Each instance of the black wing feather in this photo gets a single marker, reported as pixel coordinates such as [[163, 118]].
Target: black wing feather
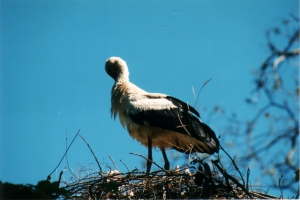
[[184, 105], [178, 120]]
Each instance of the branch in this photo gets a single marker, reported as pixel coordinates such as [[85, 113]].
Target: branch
[[49, 176], [149, 161], [92, 153], [223, 171]]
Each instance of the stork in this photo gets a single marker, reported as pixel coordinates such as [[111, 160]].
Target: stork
[[157, 120]]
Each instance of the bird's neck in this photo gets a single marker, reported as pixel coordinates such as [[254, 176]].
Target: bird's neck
[[126, 88], [123, 77]]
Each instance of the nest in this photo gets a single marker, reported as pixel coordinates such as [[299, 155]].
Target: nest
[[197, 179], [182, 183]]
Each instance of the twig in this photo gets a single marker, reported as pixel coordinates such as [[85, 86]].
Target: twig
[[60, 175], [148, 160], [263, 196], [200, 91], [124, 165], [279, 180], [247, 180], [49, 176], [113, 163], [194, 92], [215, 162], [71, 171], [92, 153], [234, 164]]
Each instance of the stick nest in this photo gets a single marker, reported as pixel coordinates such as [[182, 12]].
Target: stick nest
[[197, 179], [182, 183]]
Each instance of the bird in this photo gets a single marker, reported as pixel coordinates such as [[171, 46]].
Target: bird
[[155, 119]]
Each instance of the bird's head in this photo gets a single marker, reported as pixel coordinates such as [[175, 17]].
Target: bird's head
[[117, 68]]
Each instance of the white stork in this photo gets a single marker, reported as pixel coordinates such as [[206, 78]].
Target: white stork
[[157, 120]]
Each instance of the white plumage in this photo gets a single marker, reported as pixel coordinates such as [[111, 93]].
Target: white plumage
[[157, 120]]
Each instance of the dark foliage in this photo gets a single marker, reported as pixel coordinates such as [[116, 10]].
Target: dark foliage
[[268, 136], [43, 190]]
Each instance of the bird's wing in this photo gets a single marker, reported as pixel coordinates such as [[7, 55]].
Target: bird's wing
[[169, 113], [180, 103]]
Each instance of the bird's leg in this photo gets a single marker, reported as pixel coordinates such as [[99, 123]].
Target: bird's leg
[[149, 161], [167, 164]]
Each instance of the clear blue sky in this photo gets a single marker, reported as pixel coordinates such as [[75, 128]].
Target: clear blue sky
[[53, 78]]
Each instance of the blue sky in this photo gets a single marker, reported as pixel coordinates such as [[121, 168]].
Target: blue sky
[[53, 77]]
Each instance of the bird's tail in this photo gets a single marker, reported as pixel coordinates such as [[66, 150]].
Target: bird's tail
[[206, 135]]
